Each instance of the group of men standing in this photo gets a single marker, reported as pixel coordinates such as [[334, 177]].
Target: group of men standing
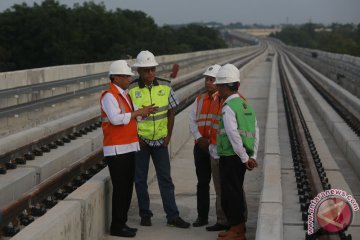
[[226, 141], [137, 122]]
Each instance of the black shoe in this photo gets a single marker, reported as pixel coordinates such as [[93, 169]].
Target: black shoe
[[178, 222], [123, 232], [200, 222], [217, 227], [145, 221], [131, 229]]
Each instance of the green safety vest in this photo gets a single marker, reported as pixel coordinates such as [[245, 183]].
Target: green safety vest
[[154, 127], [245, 118]]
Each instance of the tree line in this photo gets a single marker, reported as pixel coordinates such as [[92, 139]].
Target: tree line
[[51, 33], [336, 38]]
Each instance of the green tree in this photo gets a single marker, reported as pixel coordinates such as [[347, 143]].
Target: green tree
[[50, 34], [337, 38]]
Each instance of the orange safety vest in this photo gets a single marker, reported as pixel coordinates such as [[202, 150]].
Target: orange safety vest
[[118, 134], [203, 114], [216, 106]]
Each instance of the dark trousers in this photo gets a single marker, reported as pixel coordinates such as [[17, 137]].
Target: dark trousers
[[232, 173], [203, 173], [122, 170]]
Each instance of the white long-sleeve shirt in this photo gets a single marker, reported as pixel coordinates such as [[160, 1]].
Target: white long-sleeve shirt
[[193, 123], [230, 125], [111, 107]]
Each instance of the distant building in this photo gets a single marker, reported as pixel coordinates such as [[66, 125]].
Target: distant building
[[260, 32]]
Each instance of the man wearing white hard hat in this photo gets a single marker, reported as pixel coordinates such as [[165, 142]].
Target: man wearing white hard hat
[[154, 136], [200, 121], [237, 144], [120, 143]]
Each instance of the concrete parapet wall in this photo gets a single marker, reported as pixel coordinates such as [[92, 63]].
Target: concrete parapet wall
[[85, 214], [61, 222], [95, 199], [342, 94], [270, 216], [344, 136], [341, 68], [336, 56], [49, 74]]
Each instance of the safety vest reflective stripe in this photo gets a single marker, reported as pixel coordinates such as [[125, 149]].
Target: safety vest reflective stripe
[[203, 114], [241, 132], [157, 117], [105, 119], [215, 116], [200, 116], [199, 107], [207, 116], [154, 127], [164, 108], [204, 123]]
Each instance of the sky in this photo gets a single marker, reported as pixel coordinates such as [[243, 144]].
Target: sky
[[267, 12]]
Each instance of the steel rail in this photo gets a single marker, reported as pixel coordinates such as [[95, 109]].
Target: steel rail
[[46, 188], [310, 175]]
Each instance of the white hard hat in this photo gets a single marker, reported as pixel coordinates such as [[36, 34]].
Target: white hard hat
[[145, 59], [227, 74], [212, 70], [120, 67]]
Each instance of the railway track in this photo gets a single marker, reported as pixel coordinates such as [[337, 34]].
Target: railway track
[[21, 212], [310, 172]]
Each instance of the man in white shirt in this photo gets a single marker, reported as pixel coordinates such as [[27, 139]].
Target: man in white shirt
[[237, 143], [200, 120], [120, 143]]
